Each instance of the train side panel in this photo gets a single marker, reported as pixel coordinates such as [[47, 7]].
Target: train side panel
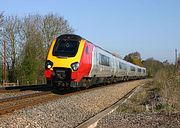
[[102, 64]]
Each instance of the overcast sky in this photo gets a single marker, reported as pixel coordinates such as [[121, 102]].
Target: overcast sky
[[151, 27]]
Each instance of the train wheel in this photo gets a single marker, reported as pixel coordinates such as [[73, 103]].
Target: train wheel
[[86, 83]]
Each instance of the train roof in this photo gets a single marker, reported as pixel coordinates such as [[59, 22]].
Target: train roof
[[77, 37], [74, 36]]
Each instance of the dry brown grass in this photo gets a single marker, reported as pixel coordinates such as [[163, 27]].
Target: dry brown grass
[[168, 81], [136, 103], [161, 95]]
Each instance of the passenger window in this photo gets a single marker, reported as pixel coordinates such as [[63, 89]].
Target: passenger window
[[132, 68], [104, 60], [120, 66], [87, 49]]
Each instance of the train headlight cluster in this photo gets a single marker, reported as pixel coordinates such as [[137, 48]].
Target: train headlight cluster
[[75, 66], [48, 64]]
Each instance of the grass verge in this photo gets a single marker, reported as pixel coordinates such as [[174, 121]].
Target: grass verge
[[160, 95]]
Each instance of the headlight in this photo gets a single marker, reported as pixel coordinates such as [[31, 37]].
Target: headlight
[[75, 66], [48, 64]]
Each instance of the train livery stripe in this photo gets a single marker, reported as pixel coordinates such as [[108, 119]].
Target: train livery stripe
[[85, 63]]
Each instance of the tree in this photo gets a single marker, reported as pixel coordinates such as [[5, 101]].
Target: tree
[[1, 48], [31, 60], [11, 33], [1, 19], [33, 51], [28, 39], [53, 26], [134, 58], [1, 72], [152, 66], [38, 32], [178, 61]]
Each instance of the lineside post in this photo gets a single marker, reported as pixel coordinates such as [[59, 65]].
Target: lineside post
[[4, 81]]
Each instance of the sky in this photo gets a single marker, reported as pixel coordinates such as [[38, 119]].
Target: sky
[[151, 27]]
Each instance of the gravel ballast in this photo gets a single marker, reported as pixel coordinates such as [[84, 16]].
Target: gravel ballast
[[9, 95], [144, 120], [69, 111]]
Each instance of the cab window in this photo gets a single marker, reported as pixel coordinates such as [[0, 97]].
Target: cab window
[[87, 50]]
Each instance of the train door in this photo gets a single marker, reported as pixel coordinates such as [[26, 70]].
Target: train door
[[96, 61], [88, 55], [93, 61]]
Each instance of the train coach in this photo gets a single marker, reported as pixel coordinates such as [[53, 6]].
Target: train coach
[[73, 61]]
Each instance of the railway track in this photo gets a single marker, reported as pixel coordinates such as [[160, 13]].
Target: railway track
[[92, 122], [17, 89], [8, 105], [10, 99], [11, 104], [72, 110]]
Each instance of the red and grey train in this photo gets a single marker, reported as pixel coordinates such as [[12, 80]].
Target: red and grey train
[[73, 61]]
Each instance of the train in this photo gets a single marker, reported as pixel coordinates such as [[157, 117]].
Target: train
[[74, 62]]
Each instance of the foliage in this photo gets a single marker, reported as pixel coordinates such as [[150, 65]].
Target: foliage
[[134, 58], [52, 26], [11, 38], [28, 39], [178, 61], [152, 66], [1, 18]]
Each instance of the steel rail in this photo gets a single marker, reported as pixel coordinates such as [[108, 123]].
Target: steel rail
[[9, 105], [92, 122]]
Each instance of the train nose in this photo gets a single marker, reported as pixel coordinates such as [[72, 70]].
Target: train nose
[[61, 74]]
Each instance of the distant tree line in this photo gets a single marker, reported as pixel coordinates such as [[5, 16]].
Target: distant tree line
[[152, 65], [27, 41], [134, 58]]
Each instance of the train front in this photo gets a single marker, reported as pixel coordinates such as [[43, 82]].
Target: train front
[[63, 61]]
